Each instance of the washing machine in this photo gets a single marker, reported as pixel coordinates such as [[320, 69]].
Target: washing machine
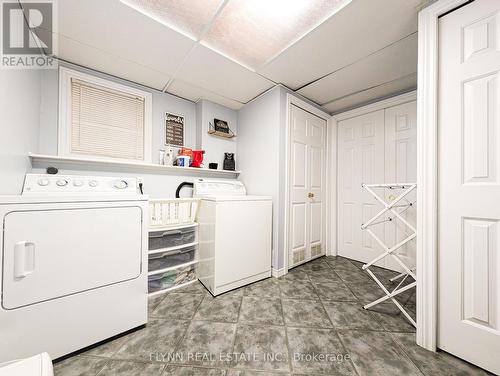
[[73, 264], [235, 231]]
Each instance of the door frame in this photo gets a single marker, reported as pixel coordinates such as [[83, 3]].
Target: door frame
[[293, 100], [427, 170]]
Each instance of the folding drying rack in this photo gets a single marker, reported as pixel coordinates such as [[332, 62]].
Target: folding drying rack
[[396, 207]]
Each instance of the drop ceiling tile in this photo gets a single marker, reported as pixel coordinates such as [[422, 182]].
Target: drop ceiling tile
[[87, 56], [209, 70], [191, 92], [359, 29], [389, 64], [254, 31], [114, 27], [187, 17], [401, 85]]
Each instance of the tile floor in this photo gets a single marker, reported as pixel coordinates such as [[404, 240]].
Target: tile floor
[[310, 321]]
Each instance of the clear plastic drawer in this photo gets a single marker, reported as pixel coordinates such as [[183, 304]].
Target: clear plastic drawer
[[171, 238], [171, 278], [162, 260]]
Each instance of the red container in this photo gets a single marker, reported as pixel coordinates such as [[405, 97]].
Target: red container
[[197, 158]]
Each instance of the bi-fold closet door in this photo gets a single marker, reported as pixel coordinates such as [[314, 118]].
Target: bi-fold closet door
[[377, 147]]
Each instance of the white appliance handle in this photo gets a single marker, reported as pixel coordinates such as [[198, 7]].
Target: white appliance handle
[[24, 259]]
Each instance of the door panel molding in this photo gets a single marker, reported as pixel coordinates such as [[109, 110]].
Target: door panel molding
[[427, 170]]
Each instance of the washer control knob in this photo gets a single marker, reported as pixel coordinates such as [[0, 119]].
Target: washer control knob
[[62, 182], [121, 184], [43, 182], [93, 183], [78, 183]]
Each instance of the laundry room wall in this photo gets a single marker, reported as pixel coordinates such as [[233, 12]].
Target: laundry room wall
[[215, 146], [155, 185], [20, 113], [262, 156]]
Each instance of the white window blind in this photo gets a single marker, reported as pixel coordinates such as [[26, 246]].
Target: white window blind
[[106, 122]]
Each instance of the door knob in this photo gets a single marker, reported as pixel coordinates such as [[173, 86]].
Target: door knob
[[310, 195]]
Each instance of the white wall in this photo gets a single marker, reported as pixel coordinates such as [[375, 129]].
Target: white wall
[[20, 114], [215, 146], [29, 107], [258, 153]]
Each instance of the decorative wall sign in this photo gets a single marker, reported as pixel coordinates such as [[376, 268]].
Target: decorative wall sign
[[174, 129]]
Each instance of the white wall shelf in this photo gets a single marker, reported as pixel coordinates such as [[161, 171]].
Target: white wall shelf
[[72, 163]]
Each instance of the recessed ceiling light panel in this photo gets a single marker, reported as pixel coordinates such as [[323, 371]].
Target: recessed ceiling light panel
[[188, 17], [253, 32]]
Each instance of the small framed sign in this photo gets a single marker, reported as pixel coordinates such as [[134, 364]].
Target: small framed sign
[[174, 129]]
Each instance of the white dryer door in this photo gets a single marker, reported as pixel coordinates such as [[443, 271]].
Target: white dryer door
[[52, 253]]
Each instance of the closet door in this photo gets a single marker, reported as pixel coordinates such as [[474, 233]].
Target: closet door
[[360, 160], [307, 210], [401, 167]]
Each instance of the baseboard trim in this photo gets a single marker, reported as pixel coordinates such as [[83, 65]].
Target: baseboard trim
[[276, 273]]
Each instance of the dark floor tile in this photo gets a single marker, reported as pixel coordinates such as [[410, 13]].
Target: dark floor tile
[[223, 308], [376, 353], [337, 291], [268, 288], [79, 366], [178, 306], [127, 368], [318, 351], [154, 301], [438, 363], [295, 274], [109, 348], [266, 346], [193, 288], [302, 313], [324, 275], [261, 311], [192, 371], [297, 289], [159, 337], [391, 318], [236, 372], [337, 261], [366, 291], [351, 315], [315, 265], [353, 276], [205, 343]]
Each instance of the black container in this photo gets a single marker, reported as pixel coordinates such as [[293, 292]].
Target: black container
[[213, 166]]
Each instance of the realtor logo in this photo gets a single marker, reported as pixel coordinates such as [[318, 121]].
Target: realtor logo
[[28, 30]]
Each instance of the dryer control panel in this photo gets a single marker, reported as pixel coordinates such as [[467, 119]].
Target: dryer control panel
[[45, 184]]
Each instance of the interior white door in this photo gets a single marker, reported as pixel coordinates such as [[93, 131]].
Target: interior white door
[[307, 206], [401, 167], [360, 160], [469, 184]]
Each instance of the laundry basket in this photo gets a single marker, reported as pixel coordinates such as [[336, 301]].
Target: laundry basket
[[172, 211]]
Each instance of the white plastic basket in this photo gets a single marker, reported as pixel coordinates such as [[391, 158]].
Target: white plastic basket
[[172, 211]]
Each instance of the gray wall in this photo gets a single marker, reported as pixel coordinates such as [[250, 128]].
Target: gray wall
[[258, 154], [20, 115], [29, 105], [215, 146]]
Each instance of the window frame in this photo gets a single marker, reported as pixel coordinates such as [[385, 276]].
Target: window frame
[[64, 121]]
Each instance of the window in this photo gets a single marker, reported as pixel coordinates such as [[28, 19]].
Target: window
[[103, 119]]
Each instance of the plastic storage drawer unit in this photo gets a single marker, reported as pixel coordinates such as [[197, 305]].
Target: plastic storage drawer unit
[[171, 278], [163, 260], [171, 238]]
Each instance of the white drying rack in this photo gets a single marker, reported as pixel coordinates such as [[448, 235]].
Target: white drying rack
[[409, 272]]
